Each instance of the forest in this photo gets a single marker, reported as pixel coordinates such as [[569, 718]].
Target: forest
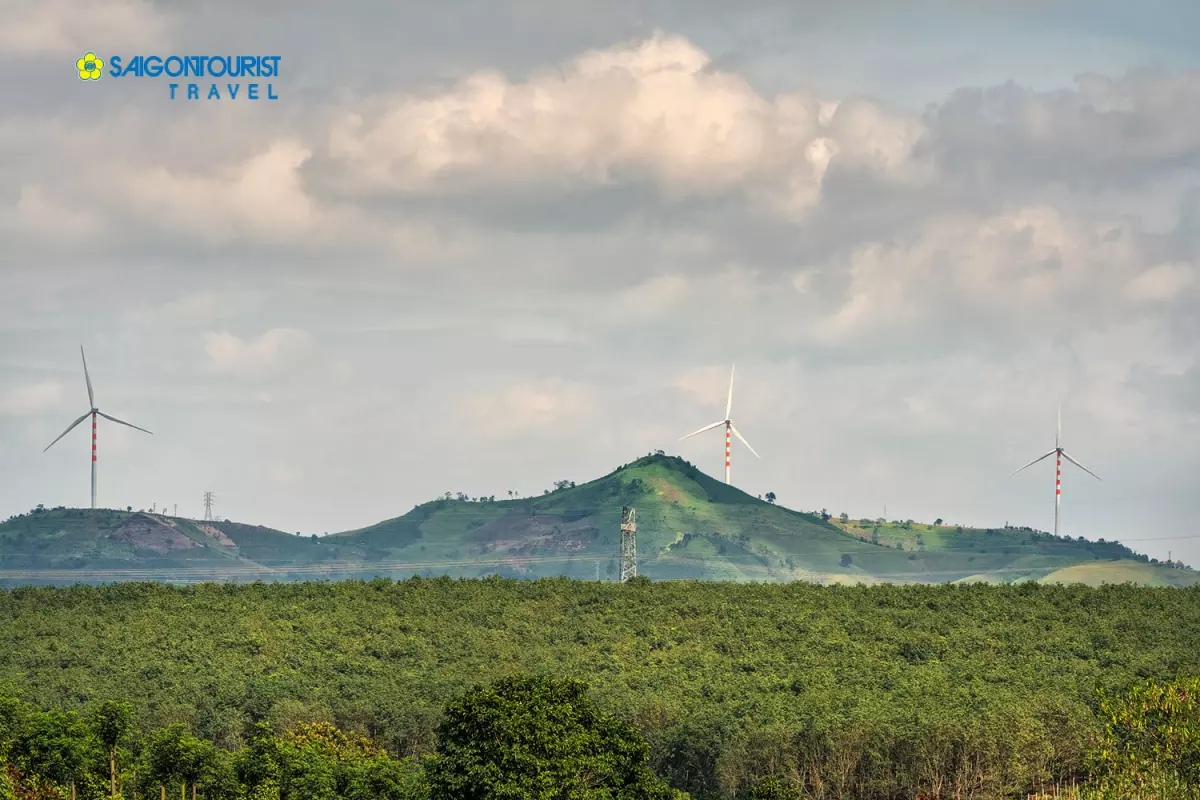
[[445, 688]]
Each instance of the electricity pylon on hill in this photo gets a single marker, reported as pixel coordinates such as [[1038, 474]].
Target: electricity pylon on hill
[[208, 503], [628, 543]]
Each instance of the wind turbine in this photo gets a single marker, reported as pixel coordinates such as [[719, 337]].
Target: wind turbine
[[1060, 455], [93, 413], [729, 429]]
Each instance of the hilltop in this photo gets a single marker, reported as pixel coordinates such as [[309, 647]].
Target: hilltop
[[690, 526]]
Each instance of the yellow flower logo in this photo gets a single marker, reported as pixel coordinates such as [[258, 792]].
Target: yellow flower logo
[[90, 67]]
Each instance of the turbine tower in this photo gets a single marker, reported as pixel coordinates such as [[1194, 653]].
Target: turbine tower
[[729, 429], [94, 412], [1059, 454]]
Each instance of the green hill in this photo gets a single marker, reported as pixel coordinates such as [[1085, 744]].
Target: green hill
[[690, 526], [1100, 572]]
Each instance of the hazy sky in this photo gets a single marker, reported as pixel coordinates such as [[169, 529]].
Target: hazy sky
[[481, 246]]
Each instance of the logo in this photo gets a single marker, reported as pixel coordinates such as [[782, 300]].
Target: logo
[[232, 77], [90, 67]]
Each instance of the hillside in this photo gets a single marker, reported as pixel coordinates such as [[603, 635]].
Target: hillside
[[1101, 572], [690, 526]]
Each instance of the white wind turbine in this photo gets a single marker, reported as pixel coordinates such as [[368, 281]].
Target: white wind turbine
[[1061, 454], [729, 429], [93, 412]]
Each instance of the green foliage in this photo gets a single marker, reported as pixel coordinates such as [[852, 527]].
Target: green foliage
[[317, 760], [537, 737], [1151, 731], [774, 789], [52, 747], [843, 691], [111, 723]]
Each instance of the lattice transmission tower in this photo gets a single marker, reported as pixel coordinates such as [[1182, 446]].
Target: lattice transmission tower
[[628, 543], [208, 501]]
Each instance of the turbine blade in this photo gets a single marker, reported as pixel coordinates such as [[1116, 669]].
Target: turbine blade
[[123, 422], [1031, 463], [1058, 433], [88, 378], [735, 433], [729, 404], [68, 430], [1081, 466], [702, 430]]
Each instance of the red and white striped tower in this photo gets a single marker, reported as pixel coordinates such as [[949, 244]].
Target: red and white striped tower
[[1058, 451], [94, 416], [728, 447], [1057, 487]]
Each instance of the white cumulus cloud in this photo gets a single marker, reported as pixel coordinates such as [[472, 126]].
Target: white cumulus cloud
[[31, 398], [261, 357], [654, 108]]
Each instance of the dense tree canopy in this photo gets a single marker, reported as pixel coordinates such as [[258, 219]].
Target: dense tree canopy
[[538, 738], [737, 689]]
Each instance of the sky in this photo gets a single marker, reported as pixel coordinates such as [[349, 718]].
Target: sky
[[483, 246]]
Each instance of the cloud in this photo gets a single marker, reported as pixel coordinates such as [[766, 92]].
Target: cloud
[[1106, 131], [200, 307], [271, 352], [262, 196], [651, 110], [539, 409], [37, 213], [1031, 269], [65, 27], [31, 398], [1161, 283]]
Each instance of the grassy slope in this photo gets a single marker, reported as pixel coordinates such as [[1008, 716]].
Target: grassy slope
[[1101, 572], [690, 527]]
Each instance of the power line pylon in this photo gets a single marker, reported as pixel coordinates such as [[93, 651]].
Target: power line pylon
[[208, 501], [628, 543]]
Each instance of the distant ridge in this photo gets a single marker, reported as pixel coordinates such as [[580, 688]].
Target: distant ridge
[[691, 527]]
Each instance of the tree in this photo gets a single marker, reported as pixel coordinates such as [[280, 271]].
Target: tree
[[174, 754], [774, 789], [846, 560], [770, 497], [844, 517], [538, 737], [1151, 729], [112, 721], [937, 521], [55, 747]]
